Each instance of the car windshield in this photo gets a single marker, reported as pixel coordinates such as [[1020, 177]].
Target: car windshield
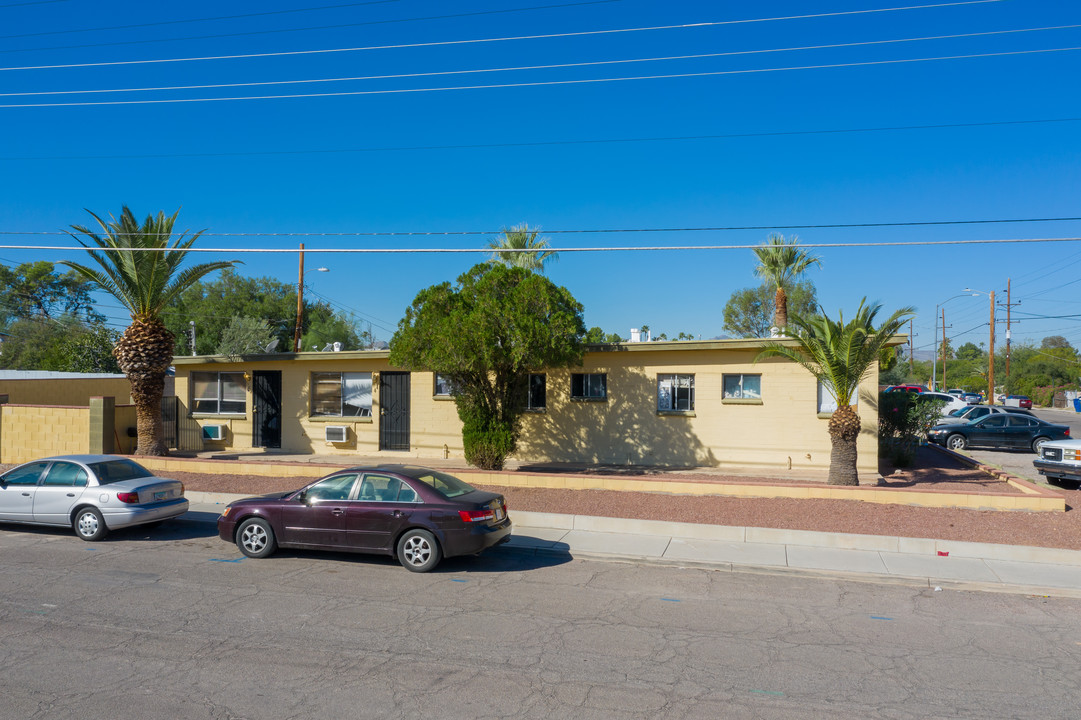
[[958, 412], [110, 471], [446, 485]]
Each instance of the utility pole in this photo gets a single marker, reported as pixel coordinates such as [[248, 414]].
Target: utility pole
[[991, 357], [300, 301], [192, 324], [911, 366], [945, 385], [1008, 305]]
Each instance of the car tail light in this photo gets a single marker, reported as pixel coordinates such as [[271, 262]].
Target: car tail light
[[128, 497], [475, 515], [1067, 432]]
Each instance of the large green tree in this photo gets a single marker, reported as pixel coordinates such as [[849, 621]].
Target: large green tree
[[840, 354], [214, 305], [781, 262], [63, 344], [140, 265], [750, 312], [36, 290], [526, 249], [486, 334]]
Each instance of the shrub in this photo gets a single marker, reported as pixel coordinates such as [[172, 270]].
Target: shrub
[[903, 422], [487, 440]]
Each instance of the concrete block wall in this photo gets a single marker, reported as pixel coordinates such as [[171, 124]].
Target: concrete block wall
[[28, 432]]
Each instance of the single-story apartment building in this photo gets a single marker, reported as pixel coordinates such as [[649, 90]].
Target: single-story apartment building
[[669, 403]]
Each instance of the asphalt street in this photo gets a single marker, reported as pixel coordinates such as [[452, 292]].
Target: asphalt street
[[175, 623]]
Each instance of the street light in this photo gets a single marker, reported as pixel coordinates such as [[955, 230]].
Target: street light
[[934, 361], [300, 297], [991, 354]]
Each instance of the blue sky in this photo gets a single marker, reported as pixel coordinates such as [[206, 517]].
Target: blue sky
[[756, 145]]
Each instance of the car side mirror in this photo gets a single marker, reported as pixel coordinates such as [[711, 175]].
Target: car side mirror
[[303, 497]]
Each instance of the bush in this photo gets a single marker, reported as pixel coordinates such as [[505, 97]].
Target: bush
[[487, 439], [903, 422]]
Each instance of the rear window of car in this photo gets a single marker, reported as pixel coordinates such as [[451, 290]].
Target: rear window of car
[[446, 485], [110, 471]]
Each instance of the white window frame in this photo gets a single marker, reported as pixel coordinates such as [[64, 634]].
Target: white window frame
[[219, 399], [668, 392], [742, 392], [827, 405], [354, 391], [592, 388], [442, 386]]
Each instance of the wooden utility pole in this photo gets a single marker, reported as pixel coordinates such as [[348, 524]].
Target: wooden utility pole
[[911, 366], [991, 357], [300, 301]]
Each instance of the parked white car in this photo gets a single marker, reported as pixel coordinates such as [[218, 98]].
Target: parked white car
[[1060, 460], [951, 403]]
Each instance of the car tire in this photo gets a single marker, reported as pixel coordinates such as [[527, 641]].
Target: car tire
[[89, 525], [418, 551], [956, 442], [1038, 443], [255, 538]]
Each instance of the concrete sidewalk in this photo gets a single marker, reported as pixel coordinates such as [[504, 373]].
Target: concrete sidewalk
[[877, 558]]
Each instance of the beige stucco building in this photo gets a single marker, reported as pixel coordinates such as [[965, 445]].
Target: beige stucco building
[[672, 404]]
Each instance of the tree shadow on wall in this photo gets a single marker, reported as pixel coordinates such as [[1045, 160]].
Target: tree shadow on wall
[[624, 434]]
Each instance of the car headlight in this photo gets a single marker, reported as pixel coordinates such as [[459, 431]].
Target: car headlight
[[225, 512]]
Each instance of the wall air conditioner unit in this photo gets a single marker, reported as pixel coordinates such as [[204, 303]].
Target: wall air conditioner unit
[[337, 433], [213, 432]]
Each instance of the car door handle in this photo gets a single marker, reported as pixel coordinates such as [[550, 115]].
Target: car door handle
[[71, 494], [26, 494], [337, 511], [397, 513]]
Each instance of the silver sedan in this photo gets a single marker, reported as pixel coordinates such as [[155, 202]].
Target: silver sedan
[[90, 493]]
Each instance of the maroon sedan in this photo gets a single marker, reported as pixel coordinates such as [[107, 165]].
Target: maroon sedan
[[417, 514]]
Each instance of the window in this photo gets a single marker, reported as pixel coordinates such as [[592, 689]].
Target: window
[[65, 475], [536, 393], [218, 393], [337, 487], [384, 488], [742, 387], [1020, 421], [25, 475], [826, 402], [443, 386], [675, 392], [341, 394], [993, 421], [589, 386]]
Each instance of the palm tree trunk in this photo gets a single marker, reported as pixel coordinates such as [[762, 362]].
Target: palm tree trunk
[[146, 392], [844, 429], [780, 309], [144, 353]]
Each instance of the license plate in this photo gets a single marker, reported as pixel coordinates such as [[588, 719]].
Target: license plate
[[161, 494], [499, 513]]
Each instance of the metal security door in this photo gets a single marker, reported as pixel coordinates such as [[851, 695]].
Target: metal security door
[[393, 411], [267, 421]]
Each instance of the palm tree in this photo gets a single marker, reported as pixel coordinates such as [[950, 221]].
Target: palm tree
[[782, 262], [839, 355], [522, 238], [140, 268]]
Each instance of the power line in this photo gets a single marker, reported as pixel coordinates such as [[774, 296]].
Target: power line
[[715, 228], [544, 83], [547, 143], [443, 43], [522, 68], [302, 29], [31, 2], [487, 250]]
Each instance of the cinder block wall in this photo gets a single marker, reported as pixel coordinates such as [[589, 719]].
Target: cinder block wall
[[28, 432], [65, 391]]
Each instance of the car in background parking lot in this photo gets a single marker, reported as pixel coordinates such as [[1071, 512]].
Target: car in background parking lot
[[1060, 460], [1021, 401], [975, 412], [907, 388], [1001, 431], [972, 398], [92, 494], [949, 402], [956, 392]]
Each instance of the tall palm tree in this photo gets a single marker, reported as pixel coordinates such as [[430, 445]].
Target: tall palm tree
[[839, 355], [782, 263], [140, 267], [519, 238]]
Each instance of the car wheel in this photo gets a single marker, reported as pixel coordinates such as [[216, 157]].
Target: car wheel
[[255, 538], [956, 442], [1038, 443], [90, 525], [418, 551]]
